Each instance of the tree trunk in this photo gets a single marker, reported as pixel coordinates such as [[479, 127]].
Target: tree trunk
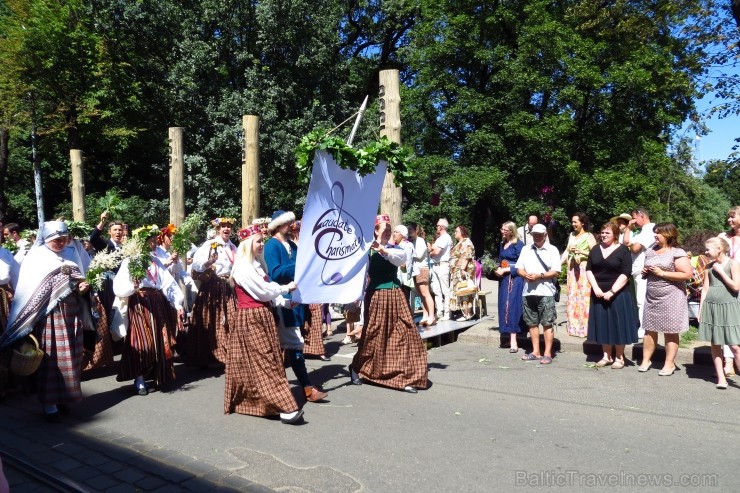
[[250, 170], [736, 11], [390, 126], [177, 176]]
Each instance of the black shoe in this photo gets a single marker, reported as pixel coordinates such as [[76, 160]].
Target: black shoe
[[54, 417], [63, 408], [410, 390], [142, 391], [354, 377], [324, 357]]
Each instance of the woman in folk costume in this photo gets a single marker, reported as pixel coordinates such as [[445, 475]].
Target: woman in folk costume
[[49, 303], [280, 255], [154, 304], [255, 375], [390, 352], [209, 330], [312, 328]]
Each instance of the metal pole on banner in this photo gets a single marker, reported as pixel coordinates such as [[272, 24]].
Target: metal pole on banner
[[357, 122]]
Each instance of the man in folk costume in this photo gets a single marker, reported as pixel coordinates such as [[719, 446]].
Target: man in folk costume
[[212, 263], [280, 256], [154, 304], [49, 302]]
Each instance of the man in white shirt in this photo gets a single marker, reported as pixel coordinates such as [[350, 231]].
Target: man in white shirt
[[639, 244], [439, 252], [539, 265]]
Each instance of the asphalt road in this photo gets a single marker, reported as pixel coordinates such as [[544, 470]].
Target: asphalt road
[[489, 422]]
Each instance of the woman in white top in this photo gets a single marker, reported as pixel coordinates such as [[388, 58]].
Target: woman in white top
[[420, 273]]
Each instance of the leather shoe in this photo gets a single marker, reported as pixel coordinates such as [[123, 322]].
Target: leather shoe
[[324, 357], [314, 395], [142, 391], [410, 390], [291, 418]]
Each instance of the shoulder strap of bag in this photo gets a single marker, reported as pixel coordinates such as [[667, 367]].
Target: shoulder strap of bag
[[547, 269]]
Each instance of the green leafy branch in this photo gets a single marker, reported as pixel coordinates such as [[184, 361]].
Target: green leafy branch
[[364, 161], [187, 233]]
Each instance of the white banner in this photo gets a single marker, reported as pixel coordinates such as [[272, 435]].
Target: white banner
[[336, 232]]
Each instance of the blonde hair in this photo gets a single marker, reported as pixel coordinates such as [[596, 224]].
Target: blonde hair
[[245, 255], [719, 243], [511, 227]]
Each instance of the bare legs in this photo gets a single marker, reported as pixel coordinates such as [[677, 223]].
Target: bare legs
[[534, 334], [427, 303], [649, 342]]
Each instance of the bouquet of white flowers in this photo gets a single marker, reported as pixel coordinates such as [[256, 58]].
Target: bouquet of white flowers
[[102, 263]]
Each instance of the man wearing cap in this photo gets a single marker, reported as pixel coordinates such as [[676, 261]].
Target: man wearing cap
[[539, 265], [280, 255], [439, 252], [639, 244]]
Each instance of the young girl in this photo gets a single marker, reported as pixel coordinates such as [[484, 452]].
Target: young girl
[[719, 311]]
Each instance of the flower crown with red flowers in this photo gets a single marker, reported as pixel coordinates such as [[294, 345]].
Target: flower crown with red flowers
[[382, 218], [248, 231]]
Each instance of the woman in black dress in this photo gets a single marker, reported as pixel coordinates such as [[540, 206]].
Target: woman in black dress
[[612, 319]]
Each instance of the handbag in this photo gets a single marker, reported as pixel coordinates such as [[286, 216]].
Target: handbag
[[556, 296], [465, 287]]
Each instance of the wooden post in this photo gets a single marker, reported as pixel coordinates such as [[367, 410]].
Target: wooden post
[[78, 185], [250, 170], [177, 176], [390, 126]]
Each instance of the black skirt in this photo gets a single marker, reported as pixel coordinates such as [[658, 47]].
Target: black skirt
[[614, 321]]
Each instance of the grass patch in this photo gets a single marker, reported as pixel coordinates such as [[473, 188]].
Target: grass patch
[[689, 337]]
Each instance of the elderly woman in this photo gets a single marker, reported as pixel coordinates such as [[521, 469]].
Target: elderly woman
[[49, 302], [255, 375], [391, 352], [612, 319], [420, 273], [209, 329], [510, 286], [667, 268], [580, 243], [462, 268], [154, 303], [400, 237]]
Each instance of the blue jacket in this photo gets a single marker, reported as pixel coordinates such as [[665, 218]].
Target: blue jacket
[[281, 269]]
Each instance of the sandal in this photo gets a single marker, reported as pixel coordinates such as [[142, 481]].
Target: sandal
[[618, 364], [531, 357], [545, 360], [603, 362]]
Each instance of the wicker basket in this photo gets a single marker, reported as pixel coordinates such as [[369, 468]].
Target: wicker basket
[[26, 364]]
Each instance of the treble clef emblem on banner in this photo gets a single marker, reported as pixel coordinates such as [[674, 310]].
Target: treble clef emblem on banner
[[339, 236]]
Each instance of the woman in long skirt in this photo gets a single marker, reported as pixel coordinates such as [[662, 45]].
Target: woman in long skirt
[[154, 305], [390, 352], [255, 375]]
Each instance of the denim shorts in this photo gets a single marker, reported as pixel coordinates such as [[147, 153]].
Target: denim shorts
[[539, 310]]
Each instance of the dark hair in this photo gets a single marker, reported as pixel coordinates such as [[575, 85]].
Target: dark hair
[[12, 228], [611, 226], [115, 223], [412, 225], [464, 231], [583, 218], [669, 232]]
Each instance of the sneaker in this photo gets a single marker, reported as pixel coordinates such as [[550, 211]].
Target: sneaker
[[445, 317], [291, 418]]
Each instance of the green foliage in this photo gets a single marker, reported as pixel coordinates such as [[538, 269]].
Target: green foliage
[[364, 161], [189, 231]]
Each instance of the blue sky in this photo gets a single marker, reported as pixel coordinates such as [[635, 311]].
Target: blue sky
[[719, 142]]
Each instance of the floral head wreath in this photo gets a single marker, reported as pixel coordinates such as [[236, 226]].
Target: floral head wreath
[[382, 218], [221, 221], [260, 221], [168, 230], [248, 231], [145, 232]]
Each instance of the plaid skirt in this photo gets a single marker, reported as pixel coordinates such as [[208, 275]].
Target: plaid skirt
[[147, 348], [60, 338], [208, 334], [390, 352], [314, 340], [103, 353], [255, 377]]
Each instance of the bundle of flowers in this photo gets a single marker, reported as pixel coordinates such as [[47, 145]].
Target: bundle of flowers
[[187, 233], [102, 263], [10, 245], [137, 251], [490, 264]]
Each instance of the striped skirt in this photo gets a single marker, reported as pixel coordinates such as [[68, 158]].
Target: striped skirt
[[5, 297], [103, 353], [314, 340], [208, 333], [147, 348], [255, 377], [60, 338], [390, 352]]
